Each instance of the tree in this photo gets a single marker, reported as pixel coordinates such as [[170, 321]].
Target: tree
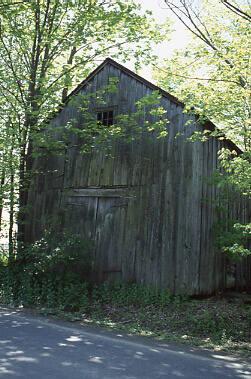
[[46, 47], [212, 76]]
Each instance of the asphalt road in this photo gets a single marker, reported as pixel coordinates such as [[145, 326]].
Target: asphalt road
[[38, 348]]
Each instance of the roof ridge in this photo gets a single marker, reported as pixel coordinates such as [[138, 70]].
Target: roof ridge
[[128, 72]]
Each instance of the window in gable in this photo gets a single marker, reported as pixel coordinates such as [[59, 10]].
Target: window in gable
[[105, 117]]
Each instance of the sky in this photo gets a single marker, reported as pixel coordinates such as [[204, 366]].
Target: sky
[[179, 38]]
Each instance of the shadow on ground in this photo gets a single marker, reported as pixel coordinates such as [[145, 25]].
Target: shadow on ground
[[33, 348]]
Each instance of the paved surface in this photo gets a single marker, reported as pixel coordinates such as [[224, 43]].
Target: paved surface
[[36, 348]]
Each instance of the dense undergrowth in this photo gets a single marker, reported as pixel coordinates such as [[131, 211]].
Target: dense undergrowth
[[222, 323], [51, 277]]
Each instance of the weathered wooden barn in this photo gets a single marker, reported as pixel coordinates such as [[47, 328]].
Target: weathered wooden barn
[[148, 205]]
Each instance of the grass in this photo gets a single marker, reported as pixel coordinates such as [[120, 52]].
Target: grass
[[221, 323], [218, 323]]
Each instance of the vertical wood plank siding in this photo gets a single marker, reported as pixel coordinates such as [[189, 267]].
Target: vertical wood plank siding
[[148, 207]]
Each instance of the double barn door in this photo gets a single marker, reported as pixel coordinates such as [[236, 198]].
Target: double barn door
[[101, 214]]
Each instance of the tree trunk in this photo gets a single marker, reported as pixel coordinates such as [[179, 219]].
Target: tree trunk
[[25, 176], [22, 199], [11, 217], [2, 182]]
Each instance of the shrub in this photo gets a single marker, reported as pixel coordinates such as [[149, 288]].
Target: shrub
[[121, 294], [50, 273]]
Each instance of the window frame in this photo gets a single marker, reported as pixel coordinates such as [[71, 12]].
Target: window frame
[[108, 120]]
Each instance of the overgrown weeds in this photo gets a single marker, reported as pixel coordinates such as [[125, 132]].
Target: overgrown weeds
[[51, 273], [52, 277], [218, 323]]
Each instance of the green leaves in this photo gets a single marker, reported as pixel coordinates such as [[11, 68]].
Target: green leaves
[[212, 77], [46, 48], [241, 233], [214, 80]]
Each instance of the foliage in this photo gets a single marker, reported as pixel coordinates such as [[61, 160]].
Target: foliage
[[221, 321], [121, 294], [235, 240], [53, 272], [58, 253], [149, 116], [45, 48], [212, 77], [238, 170], [231, 236], [84, 132]]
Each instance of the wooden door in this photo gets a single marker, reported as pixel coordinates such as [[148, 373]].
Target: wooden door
[[102, 216]]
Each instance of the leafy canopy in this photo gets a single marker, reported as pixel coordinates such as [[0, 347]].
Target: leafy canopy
[[46, 48], [212, 76]]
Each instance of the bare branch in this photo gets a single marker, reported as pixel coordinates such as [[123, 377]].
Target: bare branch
[[197, 78], [183, 13], [236, 10]]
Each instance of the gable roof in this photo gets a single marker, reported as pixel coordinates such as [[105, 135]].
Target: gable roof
[[129, 73], [207, 125]]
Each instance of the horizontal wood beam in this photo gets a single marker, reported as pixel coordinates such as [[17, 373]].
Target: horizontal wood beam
[[103, 192]]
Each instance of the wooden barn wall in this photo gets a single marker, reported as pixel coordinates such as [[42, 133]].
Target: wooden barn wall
[[148, 206]]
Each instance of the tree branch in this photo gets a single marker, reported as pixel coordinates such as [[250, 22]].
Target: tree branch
[[197, 78], [11, 66], [186, 18], [5, 5], [236, 10]]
